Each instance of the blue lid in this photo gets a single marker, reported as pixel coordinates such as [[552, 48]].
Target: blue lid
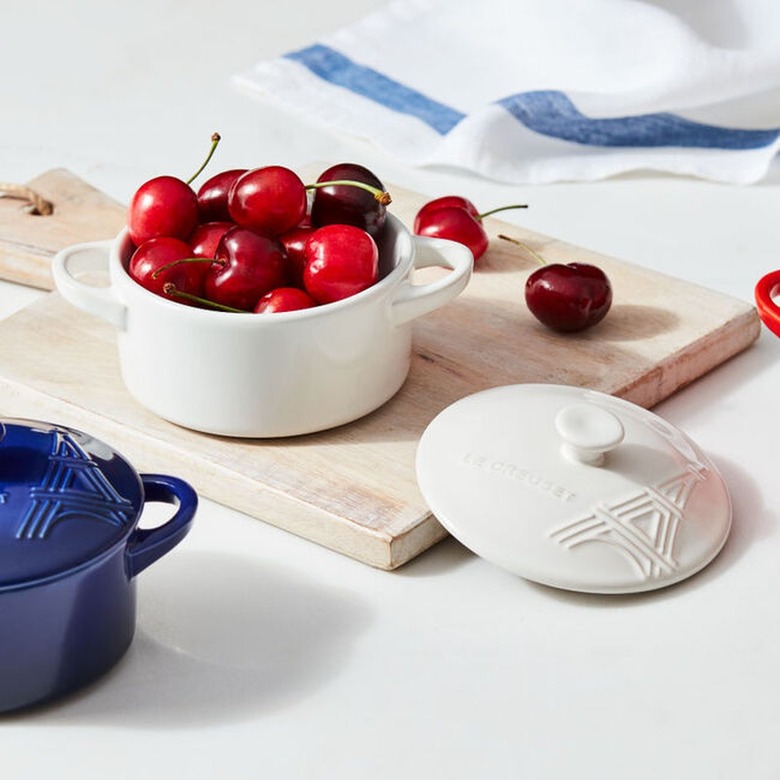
[[65, 498]]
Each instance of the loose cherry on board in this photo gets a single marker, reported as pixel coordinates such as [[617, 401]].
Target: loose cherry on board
[[334, 202], [342, 260], [457, 219], [247, 266], [566, 297], [448, 201], [165, 206], [270, 200]]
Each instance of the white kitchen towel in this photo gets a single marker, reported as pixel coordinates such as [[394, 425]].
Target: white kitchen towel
[[536, 91]]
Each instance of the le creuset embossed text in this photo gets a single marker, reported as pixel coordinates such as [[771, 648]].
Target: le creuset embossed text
[[271, 375], [573, 488], [70, 549]]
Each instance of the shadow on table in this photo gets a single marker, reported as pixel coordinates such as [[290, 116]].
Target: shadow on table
[[220, 638], [442, 559]]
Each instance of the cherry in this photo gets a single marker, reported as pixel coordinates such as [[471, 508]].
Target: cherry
[[457, 225], [566, 297], [342, 260], [294, 242], [270, 200], [165, 206], [247, 266], [155, 264], [205, 238], [457, 219], [284, 299], [213, 196], [346, 204], [447, 201]]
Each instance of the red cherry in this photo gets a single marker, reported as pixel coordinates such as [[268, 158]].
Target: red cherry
[[447, 201], [206, 237], [569, 297], [294, 242], [163, 206], [457, 219], [155, 264], [270, 200], [342, 260], [213, 196], [284, 299], [456, 224], [247, 265]]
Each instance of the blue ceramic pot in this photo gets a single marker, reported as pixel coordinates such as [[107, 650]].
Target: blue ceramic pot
[[70, 549]]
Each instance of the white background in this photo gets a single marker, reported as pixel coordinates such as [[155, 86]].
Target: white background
[[262, 655]]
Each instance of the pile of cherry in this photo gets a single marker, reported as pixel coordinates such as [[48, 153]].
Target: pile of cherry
[[251, 240], [260, 240]]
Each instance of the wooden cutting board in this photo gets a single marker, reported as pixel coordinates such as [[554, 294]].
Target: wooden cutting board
[[29, 241], [353, 489]]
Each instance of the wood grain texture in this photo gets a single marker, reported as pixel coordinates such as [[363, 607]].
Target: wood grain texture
[[353, 489]]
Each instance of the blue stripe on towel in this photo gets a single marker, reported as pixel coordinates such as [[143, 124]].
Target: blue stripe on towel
[[547, 112], [552, 113], [334, 67]]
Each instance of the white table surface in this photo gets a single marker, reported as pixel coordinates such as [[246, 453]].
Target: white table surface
[[259, 654]]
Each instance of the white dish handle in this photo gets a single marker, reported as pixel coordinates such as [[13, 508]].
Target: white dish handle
[[414, 300], [77, 261]]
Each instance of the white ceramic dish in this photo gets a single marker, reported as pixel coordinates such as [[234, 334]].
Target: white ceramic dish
[[281, 374], [573, 488]]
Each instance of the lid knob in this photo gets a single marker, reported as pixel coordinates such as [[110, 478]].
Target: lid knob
[[588, 432]]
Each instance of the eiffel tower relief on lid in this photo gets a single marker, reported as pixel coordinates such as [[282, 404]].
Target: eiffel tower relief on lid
[[573, 488], [65, 498]]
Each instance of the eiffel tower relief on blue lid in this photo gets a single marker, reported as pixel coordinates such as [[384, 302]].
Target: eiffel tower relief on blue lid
[[65, 499]]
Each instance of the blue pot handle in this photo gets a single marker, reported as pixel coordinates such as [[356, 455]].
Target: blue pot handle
[[146, 545]]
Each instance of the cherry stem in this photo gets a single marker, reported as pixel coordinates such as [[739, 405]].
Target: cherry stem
[[169, 288], [215, 139], [502, 208], [174, 263], [527, 248], [379, 195]]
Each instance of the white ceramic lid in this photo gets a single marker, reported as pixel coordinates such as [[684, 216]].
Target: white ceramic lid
[[573, 488]]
